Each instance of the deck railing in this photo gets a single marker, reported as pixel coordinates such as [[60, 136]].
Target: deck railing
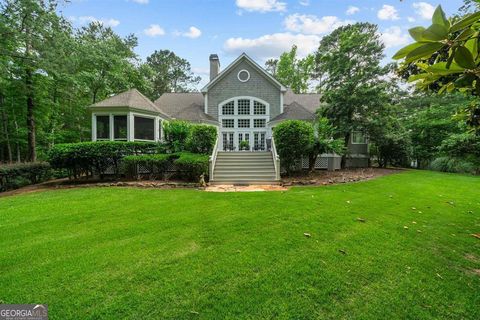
[[213, 158], [276, 160]]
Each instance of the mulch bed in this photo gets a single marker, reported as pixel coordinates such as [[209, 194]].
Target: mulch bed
[[321, 177]]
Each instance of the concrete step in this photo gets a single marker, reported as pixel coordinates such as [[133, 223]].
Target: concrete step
[[240, 176]]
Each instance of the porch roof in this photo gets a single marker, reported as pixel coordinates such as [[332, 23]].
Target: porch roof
[[130, 99]]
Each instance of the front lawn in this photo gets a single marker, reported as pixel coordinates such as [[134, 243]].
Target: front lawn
[[397, 247]]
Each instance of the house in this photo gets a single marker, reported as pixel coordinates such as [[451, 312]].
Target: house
[[244, 101]]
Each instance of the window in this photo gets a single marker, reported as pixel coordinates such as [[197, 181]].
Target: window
[[228, 108], [244, 123], [358, 138], [259, 123], [103, 127], [259, 108], [243, 106], [228, 123], [120, 127], [144, 128]]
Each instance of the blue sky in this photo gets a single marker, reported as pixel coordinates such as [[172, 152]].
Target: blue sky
[[193, 29]]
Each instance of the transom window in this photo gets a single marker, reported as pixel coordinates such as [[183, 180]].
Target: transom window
[[243, 106], [259, 108], [259, 123], [244, 123], [228, 123], [228, 108]]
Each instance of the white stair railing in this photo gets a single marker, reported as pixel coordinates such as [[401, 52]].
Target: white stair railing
[[276, 160], [213, 158]]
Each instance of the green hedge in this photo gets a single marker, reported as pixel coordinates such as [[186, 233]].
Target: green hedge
[[183, 136], [87, 158], [191, 166], [156, 164], [13, 176]]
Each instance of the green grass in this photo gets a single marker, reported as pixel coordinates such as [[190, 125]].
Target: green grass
[[112, 253]]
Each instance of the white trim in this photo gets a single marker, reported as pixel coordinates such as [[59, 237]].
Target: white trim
[[206, 103], [253, 63], [248, 75], [281, 102], [94, 127], [141, 115]]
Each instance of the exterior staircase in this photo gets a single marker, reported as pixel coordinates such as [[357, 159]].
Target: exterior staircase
[[244, 168]]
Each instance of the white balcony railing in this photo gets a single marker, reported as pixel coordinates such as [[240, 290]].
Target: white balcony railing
[[276, 160]]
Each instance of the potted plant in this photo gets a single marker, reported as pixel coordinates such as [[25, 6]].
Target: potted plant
[[244, 145]]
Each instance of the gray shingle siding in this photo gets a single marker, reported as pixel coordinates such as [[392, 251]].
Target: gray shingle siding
[[257, 86]]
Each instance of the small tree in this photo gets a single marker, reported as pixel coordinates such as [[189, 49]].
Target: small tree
[[176, 134], [293, 139], [201, 139], [323, 142]]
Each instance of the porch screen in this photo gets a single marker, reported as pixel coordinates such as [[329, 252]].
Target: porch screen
[[144, 128], [120, 127], [103, 127]]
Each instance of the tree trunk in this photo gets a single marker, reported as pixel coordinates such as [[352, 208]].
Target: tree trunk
[[5, 128], [32, 153], [311, 161], [344, 157]]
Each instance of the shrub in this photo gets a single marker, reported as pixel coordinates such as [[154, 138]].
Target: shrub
[[86, 158], [13, 176], [201, 138], [191, 166], [176, 133], [450, 164], [156, 164], [293, 139]]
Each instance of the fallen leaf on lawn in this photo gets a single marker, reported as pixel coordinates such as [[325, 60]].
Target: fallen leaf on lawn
[[470, 211], [308, 235], [419, 231], [414, 222], [405, 227], [420, 212], [439, 276], [361, 220], [348, 201], [342, 251], [476, 235], [451, 203], [413, 208], [194, 312]]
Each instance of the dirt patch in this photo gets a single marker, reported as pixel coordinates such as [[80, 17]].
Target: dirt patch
[[69, 184], [336, 177], [472, 257]]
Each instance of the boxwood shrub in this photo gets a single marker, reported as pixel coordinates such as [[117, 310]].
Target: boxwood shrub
[[191, 166], [13, 176], [87, 158]]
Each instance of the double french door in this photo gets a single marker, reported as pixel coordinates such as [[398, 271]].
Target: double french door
[[234, 141]]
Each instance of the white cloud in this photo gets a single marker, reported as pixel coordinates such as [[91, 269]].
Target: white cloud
[[154, 31], [394, 37], [87, 19], [411, 19], [424, 10], [311, 24], [272, 45], [352, 10], [192, 33], [261, 5], [141, 1], [388, 13], [304, 3]]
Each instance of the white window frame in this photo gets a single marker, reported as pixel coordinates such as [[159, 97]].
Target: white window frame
[[155, 126], [358, 132]]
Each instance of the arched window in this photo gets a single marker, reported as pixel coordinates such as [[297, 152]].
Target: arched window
[[244, 106]]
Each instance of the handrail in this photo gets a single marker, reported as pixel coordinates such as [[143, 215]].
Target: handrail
[[276, 160], [213, 157]]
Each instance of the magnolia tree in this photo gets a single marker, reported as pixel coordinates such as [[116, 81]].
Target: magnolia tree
[[446, 58]]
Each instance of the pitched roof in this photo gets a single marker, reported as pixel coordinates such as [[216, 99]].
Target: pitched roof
[[294, 111], [131, 99], [244, 56], [194, 113], [174, 102], [310, 101]]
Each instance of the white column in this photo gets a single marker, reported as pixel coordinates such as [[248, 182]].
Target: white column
[[130, 127], [155, 128], [111, 127], [94, 127]]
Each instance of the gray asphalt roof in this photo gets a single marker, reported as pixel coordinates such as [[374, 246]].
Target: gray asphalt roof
[[310, 101], [294, 111], [131, 99]]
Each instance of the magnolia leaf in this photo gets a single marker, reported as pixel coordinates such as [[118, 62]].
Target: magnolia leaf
[[441, 68], [435, 32], [424, 51], [402, 53], [465, 22], [419, 76], [416, 33], [450, 87], [465, 34], [440, 18], [464, 58], [472, 46]]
